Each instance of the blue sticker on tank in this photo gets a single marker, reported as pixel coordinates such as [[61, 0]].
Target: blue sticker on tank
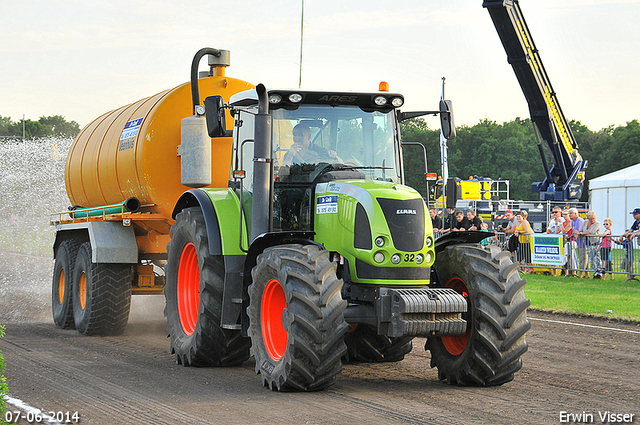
[[129, 133]]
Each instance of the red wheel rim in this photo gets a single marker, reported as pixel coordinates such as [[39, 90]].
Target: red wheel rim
[[188, 288], [273, 333], [456, 345]]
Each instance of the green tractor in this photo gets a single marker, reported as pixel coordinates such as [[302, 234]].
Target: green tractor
[[317, 253]]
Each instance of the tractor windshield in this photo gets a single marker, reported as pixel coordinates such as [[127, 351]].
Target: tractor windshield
[[311, 141], [323, 134]]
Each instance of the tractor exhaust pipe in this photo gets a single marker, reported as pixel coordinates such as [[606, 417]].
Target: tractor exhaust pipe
[[262, 211]]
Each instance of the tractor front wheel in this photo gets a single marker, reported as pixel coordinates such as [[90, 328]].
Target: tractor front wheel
[[296, 318], [193, 293], [489, 353]]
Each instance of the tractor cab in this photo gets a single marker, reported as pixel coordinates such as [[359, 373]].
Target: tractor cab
[[318, 137]]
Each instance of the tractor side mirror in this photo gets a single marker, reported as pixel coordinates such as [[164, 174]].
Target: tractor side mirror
[[446, 120], [215, 115], [451, 193]]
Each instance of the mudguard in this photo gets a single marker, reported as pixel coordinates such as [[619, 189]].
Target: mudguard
[[221, 209], [464, 236], [111, 242]]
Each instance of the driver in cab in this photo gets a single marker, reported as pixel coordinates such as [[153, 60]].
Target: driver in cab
[[303, 151]]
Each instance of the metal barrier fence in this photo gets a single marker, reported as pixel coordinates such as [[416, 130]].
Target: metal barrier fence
[[584, 255], [593, 255]]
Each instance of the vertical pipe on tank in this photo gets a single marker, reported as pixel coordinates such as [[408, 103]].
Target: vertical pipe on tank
[[261, 217], [195, 92], [195, 150]]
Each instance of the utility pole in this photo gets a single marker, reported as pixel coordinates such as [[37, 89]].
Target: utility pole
[[301, 39], [443, 153]]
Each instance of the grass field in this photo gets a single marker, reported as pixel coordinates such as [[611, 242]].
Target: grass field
[[612, 299]]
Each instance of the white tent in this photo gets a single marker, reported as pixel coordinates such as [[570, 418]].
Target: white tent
[[615, 195]]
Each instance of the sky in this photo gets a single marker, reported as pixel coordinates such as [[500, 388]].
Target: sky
[[81, 59]]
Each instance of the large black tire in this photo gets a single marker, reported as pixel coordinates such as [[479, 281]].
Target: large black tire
[[61, 288], [101, 295], [296, 318], [193, 294], [490, 352], [365, 345]]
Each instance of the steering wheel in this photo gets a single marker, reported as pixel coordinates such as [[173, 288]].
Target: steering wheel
[[356, 163]]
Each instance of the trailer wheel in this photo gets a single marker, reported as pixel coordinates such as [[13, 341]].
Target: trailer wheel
[[490, 352], [296, 318], [101, 295], [193, 294], [365, 345], [61, 288]]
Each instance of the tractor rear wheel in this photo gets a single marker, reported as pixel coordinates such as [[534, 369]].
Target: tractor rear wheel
[[193, 294], [296, 318], [490, 351], [101, 295], [365, 345], [61, 289]]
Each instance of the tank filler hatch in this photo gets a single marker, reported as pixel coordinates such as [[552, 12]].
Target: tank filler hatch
[[223, 60]]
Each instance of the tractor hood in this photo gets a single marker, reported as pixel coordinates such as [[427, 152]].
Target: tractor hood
[[370, 223]]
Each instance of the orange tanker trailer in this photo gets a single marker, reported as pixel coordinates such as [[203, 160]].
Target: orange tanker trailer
[[124, 175]]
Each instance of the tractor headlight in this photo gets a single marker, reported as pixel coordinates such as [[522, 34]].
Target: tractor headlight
[[396, 258], [397, 102], [427, 257], [275, 98], [378, 257], [429, 242], [419, 259], [380, 100], [379, 241], [295, 98]]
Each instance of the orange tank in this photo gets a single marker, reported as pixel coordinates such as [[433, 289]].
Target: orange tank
[[133, 151]]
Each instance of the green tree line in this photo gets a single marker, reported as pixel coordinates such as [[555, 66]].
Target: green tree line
[[488, 149], [55, 125], [509, 151]]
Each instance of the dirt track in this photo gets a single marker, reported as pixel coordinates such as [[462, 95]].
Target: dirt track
[[132, 379]]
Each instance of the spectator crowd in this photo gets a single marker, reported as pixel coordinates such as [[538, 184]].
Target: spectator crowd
[[587, 244]]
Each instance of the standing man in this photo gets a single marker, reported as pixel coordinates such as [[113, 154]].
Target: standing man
[[576, 224], [588, 231], [555, 227], [632, 233], [449, 222], [555, 224], [436, 221], [475, 222], [511, 225], [635, 227], [461, 222], [510, 229]]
